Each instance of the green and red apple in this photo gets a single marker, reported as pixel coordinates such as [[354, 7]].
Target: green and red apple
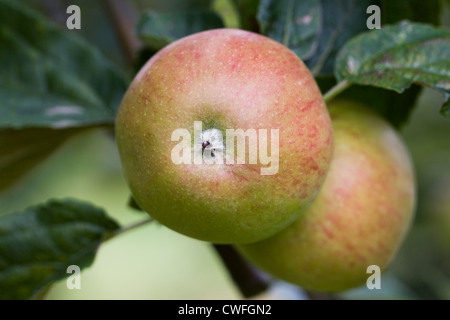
[[224, 79], [360, 216]]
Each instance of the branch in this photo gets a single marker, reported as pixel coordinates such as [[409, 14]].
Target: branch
[[124, 20], [129, 228], [249, 280]]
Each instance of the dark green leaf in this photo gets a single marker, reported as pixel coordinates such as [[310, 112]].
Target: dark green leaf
[[133, 204], [50, 77], [143, 55], [22, 150], [157, 30], [38, 244], [314, 29], [169, 5], [340, 21], [336, 22], [414, 10], [296, 24], [397, 56], [248, 10]]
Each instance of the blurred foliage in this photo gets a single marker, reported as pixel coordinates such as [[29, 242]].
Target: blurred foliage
[[40, 87], [157, 30], [22, 150], [48, 94], [424, 261], [414, 10], [97, 26]]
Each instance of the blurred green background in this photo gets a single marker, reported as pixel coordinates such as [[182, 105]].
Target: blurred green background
[[153, 262]]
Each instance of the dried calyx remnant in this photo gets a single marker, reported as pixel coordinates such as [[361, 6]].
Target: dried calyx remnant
[[212, 142]]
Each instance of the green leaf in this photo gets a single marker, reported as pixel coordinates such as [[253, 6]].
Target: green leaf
[[50, 77], [340, 21], [22, 150], [157, 30], [315, 30], [248, 10], [38, 244], [296, 24], [397, 56], [414, 10], [133, 204], [332, 24]]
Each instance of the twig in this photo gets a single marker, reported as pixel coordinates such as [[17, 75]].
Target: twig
[[128, 228], [336, 90], [124, 20], [321, 296], [249, 280]]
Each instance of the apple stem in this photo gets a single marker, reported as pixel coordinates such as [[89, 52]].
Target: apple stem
[[336, 90], [250, 280], [128, 228]]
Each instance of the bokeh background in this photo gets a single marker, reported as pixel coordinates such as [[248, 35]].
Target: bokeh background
[[153, 262]]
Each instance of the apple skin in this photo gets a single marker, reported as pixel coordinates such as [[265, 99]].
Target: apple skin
[[228, 79], [360, 216]]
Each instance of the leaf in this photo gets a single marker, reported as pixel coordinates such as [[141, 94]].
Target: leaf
[[314, 29], [337, 22], [133, 204], [22, 150], [157, 30], [38, 244], [50, 77], [397, 56], [415, 10], [340, 21], [296, 24], [248, 10]]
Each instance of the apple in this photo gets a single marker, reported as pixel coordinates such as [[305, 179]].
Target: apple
[[360, 216], [209, 96]]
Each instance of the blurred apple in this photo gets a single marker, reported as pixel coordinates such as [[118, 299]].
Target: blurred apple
[[360, 216]]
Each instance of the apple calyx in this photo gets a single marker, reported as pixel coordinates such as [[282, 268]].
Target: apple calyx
[[210, 144]]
